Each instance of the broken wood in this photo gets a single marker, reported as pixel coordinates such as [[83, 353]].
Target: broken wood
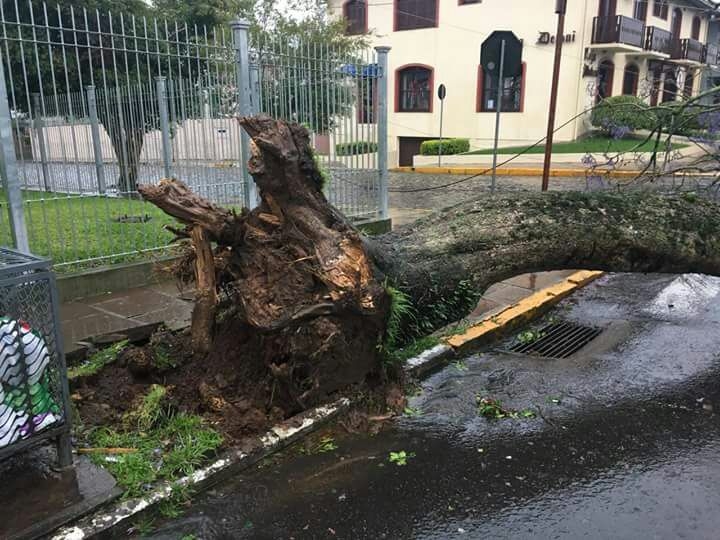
[[305, 293]]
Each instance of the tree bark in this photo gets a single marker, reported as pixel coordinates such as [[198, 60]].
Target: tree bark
[[308, 293]]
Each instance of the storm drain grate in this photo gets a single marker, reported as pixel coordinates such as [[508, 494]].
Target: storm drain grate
[[556, 340]]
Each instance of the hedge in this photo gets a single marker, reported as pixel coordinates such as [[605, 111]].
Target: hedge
[[355, 148], [680, 118], [449, 147], [620, 115]]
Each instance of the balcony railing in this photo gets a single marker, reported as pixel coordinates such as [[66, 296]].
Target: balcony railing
[[618, 29], [688, 49], [712, 54], [658, 40]]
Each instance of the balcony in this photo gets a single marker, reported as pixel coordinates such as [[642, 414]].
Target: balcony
[[619, 33], [658, 42], [687, 51], [712, 55]]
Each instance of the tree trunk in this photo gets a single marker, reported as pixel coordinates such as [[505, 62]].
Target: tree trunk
[[127, 144], [299, 285]]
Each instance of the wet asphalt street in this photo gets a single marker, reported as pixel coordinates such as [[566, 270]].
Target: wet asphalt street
[[623, 440]]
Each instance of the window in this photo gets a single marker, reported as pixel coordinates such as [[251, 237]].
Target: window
[[606, 73], [630, 80], [695, 32], [660, 9], [412, 14], [367, 101], [355, 12], [513, 92], [640, 10], [414, 89]]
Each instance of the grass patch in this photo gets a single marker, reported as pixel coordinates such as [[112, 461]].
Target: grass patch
[[593, 145], [97, 361], [68, 228], [167, 446]]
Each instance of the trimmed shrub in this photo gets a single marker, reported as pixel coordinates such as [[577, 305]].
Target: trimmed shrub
[[449, 147], [618, 116], [355, 148]]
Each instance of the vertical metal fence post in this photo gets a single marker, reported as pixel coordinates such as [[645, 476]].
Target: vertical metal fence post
[[164, 125], [382, 129], [95, 132], [10, 173], [41, 141], [245, 108]]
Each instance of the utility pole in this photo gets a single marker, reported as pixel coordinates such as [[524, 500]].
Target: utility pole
[[560, 9]]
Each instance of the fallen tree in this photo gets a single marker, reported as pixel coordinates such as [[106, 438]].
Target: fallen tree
[[294, 285]]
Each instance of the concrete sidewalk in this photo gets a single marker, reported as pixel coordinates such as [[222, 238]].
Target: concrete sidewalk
[[89, 318]]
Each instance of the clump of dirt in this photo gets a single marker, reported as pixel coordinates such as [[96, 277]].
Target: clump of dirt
[[232, 390]]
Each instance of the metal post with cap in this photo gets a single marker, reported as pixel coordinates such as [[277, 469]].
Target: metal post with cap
[[561, 10]]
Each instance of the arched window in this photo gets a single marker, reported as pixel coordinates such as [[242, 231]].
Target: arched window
[[695, 32], [630, 80], [606, 74], [414, 87], [412, 14], [513, 95], [355, 13]]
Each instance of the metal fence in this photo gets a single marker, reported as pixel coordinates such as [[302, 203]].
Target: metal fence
[[93, 104], [34, 403]]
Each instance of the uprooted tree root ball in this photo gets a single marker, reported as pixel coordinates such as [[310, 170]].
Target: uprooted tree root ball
[[293, 304], [286, 289]]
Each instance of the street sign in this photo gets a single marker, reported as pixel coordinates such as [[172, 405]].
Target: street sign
[[490, 53], [442, 92]]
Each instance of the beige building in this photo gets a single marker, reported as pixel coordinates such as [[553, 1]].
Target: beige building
[[656, 49]]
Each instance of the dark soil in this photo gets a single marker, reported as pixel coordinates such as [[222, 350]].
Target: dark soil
[[231, 390], [233, 387]]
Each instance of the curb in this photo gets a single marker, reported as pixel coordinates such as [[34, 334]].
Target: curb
[[229, 464], [493, 326], [523, 171]]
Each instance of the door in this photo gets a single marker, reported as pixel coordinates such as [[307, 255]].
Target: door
[[676, 26], [409, 147], [606, 21]]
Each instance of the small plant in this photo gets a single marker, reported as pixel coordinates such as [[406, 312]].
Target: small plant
[[401, 309], [173, 506], [400, 458], [189, 537], [412, 411], [493, 409], [97, 361], [327, 444], [149, 412], [460, 365], [162, 360], [145, 526], [530, 336]]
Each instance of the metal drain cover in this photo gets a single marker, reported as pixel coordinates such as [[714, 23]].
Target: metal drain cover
[[556, 340]]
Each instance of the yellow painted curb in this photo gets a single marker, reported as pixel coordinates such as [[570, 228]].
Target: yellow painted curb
[[524, 310], [513, 171]]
